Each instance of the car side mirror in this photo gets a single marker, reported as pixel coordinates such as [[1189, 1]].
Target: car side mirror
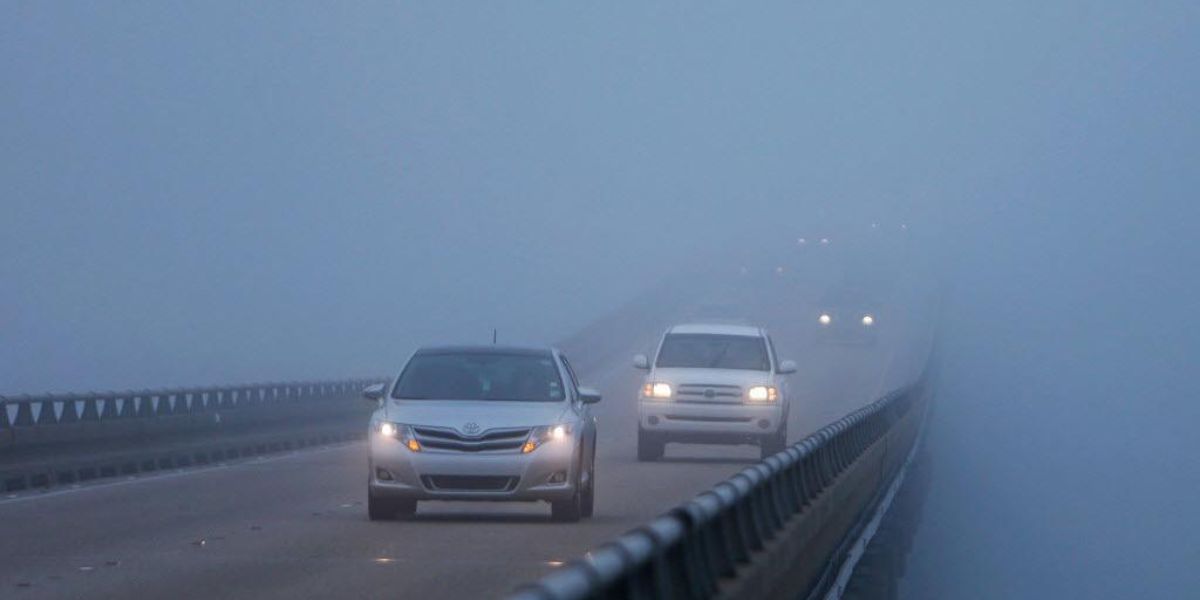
[[373, 392], [588, 395], [641, 362], [786, 367]]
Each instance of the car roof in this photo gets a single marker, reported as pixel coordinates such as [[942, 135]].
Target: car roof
[[717, 329], [510, 350]]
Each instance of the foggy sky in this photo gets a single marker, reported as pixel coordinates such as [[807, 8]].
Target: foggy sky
[[221, 193]]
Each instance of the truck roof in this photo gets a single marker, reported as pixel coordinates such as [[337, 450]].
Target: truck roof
[[717, 329]]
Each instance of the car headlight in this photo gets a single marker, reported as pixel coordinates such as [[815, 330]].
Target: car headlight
[[657, 390], [762, 393], [825, 319], [868, 320], [399, 432], [546, 434]]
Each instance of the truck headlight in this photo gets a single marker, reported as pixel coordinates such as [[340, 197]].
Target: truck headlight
[[824, 319], [657, 390], [868, 320], [762, 393], [399, 432], [546, 434]]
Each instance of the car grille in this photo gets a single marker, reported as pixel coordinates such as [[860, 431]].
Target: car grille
[[492, 440], [709, 394], [469, 483]]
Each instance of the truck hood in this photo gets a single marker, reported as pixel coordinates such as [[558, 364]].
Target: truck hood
[[488, 414], [739, 377]]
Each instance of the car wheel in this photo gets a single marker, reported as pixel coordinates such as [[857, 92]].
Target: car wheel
[[406, 508], [649, 447], [380, 509], [568, 511], [587, 503]]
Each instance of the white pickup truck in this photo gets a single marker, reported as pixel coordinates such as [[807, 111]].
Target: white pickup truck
[[713, 384]]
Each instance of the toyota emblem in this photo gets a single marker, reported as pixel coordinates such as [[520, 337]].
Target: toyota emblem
[[471, 428]]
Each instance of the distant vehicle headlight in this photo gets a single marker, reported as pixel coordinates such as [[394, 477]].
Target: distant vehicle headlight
[[868, 320], [762, 393], [657, 390], [824, 319], [546, 434], [399, 432]]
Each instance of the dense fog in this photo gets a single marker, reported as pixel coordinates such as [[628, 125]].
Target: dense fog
[[194, 193]]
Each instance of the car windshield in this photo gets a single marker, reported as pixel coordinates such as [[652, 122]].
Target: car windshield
[[708, 351], [480, 376]]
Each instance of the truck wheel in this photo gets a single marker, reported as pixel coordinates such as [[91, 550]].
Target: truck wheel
[[649, 447], [770, 446]]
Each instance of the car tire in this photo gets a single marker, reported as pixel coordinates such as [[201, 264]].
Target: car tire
[[587, 502], [380, 509], [406, 508], [568, 511], [649, 447], [772, 445]]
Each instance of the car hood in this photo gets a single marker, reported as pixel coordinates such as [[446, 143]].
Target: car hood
[[738, 377], [488, 414]]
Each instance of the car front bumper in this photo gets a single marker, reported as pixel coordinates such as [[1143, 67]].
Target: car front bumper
[[548, 473]]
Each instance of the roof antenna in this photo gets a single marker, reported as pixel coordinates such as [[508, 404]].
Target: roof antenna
[[493, 336]]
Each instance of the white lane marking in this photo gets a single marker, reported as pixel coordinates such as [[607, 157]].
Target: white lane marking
[[14, 498]]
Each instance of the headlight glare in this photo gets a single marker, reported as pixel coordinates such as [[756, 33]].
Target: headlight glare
[[657, 390], [399, 432], [824, 319], [868, 320], [546, 434], [762, 393]]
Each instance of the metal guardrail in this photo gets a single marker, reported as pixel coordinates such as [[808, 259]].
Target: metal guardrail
[[704, 547], [50, 440], [61, 409]]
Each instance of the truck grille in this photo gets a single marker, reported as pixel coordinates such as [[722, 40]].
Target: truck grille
[[709, 393], [492, 440], [469, 483]]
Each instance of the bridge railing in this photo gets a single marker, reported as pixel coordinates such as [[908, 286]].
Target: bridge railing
[[776, 529], [68, 414]]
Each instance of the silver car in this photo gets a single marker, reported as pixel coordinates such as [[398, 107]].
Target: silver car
[[483, 423]]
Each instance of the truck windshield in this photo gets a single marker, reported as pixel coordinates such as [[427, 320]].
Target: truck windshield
[[708, 351], [480, 376]]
